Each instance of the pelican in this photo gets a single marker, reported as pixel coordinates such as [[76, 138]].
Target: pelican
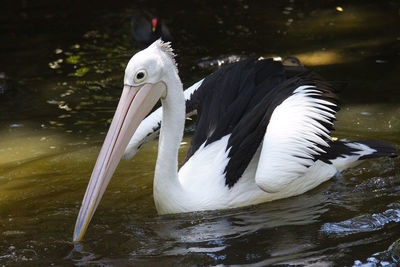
[[260, 135]]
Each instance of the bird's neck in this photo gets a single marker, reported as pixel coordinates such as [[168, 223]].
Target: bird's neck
[[166, 182]]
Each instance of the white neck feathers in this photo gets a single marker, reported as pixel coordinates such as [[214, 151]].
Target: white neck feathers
[[166, 182]]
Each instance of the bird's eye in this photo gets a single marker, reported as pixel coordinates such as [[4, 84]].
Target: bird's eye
[[140, 76]]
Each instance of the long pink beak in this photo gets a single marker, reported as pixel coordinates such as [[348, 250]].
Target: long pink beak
[[134, 105]]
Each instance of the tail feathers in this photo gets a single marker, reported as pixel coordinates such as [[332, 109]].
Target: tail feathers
[[343, 154], [381, 148]]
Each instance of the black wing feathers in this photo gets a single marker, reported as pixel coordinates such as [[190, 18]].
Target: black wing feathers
[[227, 94]]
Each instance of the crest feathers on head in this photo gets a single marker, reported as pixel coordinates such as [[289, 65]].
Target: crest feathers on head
[[166, 48]]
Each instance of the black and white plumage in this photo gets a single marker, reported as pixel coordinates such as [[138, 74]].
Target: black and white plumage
[[240, 99], [260, 135]]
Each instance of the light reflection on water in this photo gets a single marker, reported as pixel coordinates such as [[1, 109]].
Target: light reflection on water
[[49, 145]]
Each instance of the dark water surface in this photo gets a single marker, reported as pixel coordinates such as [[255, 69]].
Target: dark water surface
[[61, 70]]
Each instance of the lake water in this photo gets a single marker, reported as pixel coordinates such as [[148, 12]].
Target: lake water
[[64, 66]]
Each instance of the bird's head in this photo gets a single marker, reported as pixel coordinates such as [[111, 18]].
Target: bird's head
[[146, 78], [151, 65]]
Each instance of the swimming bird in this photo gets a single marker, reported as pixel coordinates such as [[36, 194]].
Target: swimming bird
[[147, 28], [260, 135]]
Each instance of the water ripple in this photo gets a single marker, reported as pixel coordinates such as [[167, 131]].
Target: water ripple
[[363, 223], [389, 257]]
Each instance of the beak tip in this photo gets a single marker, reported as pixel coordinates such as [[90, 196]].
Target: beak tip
[[77, 237], [79, 231]]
